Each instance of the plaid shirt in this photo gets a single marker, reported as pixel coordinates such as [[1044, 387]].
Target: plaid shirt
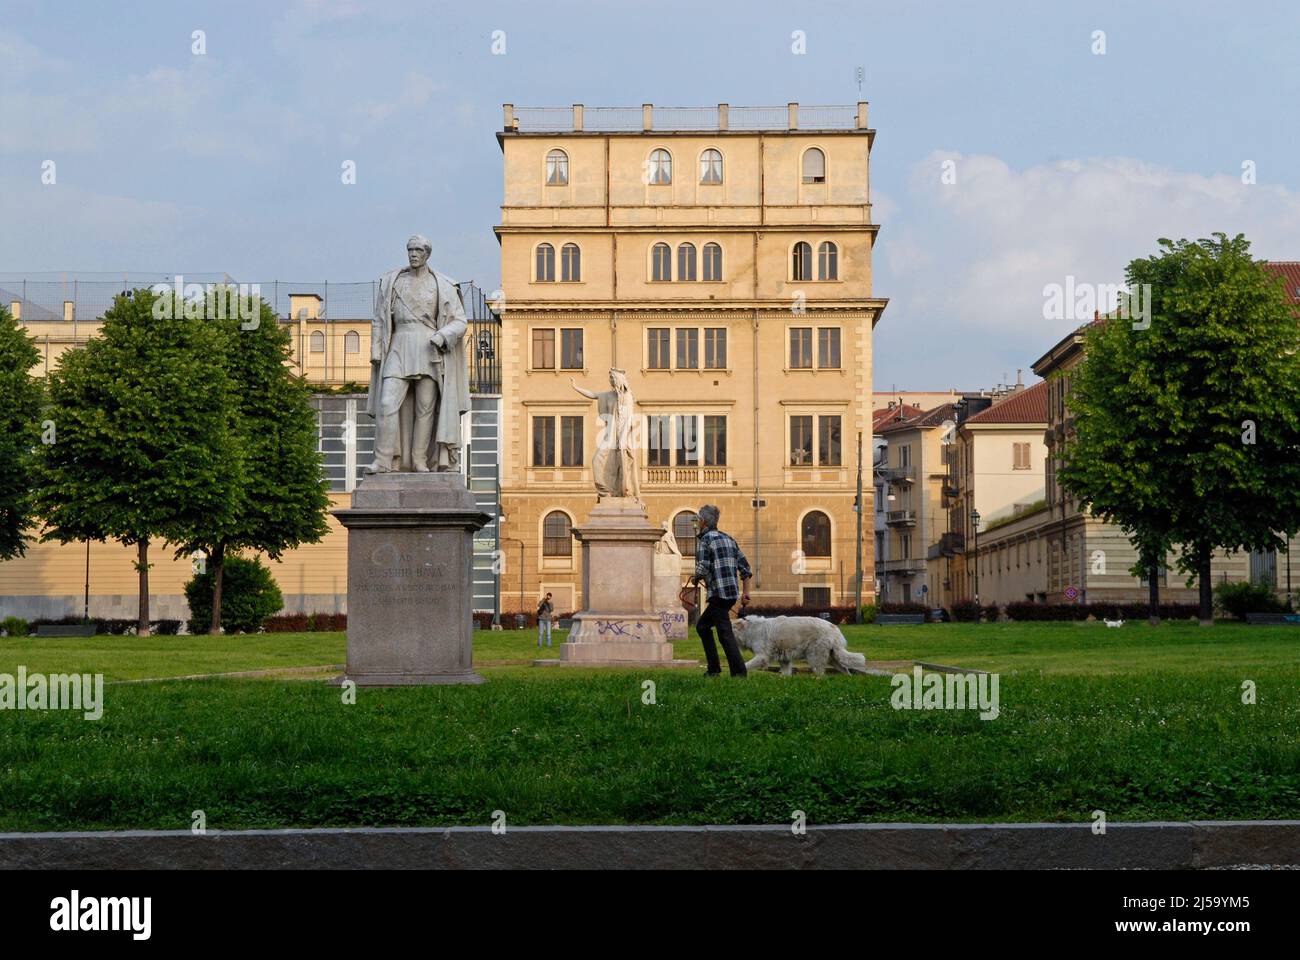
[[720, 564]]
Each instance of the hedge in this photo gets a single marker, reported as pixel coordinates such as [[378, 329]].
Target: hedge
[[1024, 610]]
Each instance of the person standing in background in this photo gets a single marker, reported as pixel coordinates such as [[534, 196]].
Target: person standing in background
[[545, 611]]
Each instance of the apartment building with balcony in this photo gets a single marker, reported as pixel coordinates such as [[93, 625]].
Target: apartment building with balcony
[[721, 257]]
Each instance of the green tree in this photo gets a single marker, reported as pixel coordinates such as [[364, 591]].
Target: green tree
[[20, 404], [1111, 460], [283, 500], [1215, 383], [144, 450]]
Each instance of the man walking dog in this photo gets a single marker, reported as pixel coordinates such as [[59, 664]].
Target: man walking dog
[[723, 569]]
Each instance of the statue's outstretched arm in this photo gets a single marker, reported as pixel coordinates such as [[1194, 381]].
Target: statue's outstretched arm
[[586, 393]]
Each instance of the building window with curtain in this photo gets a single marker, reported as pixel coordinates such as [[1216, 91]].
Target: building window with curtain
[[543, 441], [801, 356], [557, 535], [801, 261], [545, 272], [686, 261], [715, 348], [570, 263], [711, 166], [557, 168], [828, 348], [659, 167], [544, 349], [688, 348], [571, 349], [661, 262], [570, 441], [814, 166], [712, 261], [657, 357], [801, 441], [815, 534], [828, 261]]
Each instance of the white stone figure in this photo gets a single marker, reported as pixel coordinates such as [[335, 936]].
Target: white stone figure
[[667, 545], [614, 466], [419, 380]]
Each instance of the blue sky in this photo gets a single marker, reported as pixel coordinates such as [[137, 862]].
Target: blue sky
[[1067, 163]]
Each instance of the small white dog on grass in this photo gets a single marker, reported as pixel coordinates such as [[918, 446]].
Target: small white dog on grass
[[784, 640]]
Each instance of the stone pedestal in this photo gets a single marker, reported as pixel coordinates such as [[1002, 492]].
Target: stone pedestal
[[667, 586], [619, 625], [410, 547]]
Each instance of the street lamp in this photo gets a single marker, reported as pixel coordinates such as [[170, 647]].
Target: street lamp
[[975, 525]]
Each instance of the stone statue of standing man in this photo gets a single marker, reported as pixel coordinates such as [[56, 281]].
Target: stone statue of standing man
[[419, 381], [614, 466]]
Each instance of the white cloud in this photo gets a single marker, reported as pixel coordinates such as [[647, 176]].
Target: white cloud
[[965, 264]]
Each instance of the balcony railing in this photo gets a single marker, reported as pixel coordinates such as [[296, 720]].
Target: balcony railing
[[705, 476], [901, 566], [905, 518], [897, 474]]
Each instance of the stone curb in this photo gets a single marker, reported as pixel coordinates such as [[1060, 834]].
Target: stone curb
[[978, 846]]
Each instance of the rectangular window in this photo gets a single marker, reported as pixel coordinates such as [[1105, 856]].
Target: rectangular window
[[543, 349], [905, 546], [571, 349], [818, 597], [688, 348], [688, 442], [828, 348], [801, 348], [801, 441], [715, 441], [543, 441], [715, 348], [828, 450], [905, 455], [657, 337], [570, 441], [658, 440], [1020, 456], [880, 499]]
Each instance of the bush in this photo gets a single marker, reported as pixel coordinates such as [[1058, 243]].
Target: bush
[[14, 626], [1026, 610], [991, 613], [248, 596], [909, 607], [167, 628], [869, 611], [965, 611], [306, 623], [1239, 599]]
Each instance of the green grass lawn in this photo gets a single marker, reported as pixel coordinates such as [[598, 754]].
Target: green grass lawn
[[1142, 723]]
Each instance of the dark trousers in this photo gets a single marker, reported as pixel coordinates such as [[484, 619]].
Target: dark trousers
[[716, 614]]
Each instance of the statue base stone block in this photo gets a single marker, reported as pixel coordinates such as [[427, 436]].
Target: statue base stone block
[[410, 547], [619, 625]]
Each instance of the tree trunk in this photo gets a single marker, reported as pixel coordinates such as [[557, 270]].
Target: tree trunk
[[142, 566], [1206, 587], [218, 561], [1153, 574]]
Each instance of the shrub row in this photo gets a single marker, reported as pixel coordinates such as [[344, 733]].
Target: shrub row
[[1024, 610], [115, 627], [306, 623]]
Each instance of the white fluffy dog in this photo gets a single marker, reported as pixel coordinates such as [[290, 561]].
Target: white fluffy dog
[[784, 640]]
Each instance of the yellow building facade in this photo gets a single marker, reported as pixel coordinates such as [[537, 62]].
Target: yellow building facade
[[721, 257]]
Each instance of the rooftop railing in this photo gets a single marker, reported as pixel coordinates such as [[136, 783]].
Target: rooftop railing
[[583, 119]]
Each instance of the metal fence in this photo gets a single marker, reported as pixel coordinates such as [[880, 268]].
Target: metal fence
[[632, 119], [74, 299]]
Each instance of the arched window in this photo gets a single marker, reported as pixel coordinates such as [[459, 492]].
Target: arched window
[[351, 342], [801, 262], [684, 530], [816, 534], [659, 168], [557, 168], [686, 261], [318, 342], [828, 261], [712, 261], [570, 263], [545, 263], [814, 166], [557, 535], [661, 262], [711, 166]]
